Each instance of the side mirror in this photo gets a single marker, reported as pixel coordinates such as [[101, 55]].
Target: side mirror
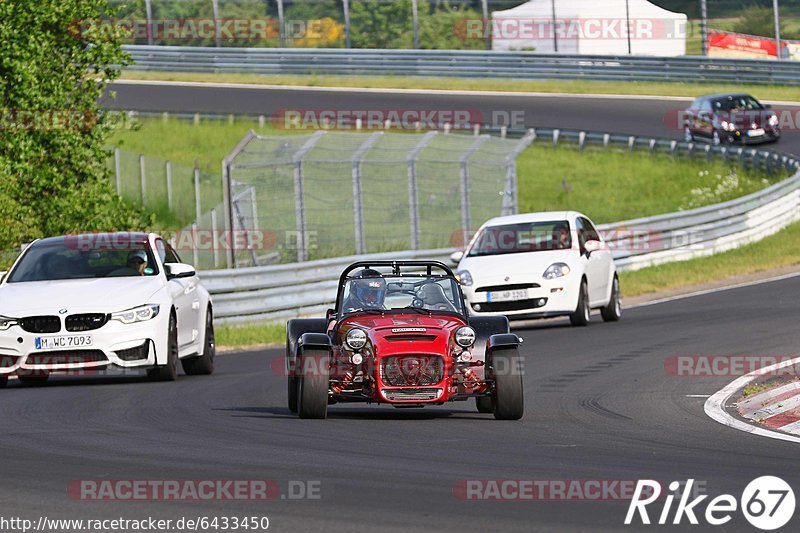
[[179, 270], [592, 246], [456, 257], [330, 314]]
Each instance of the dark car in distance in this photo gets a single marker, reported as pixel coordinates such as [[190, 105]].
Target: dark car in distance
[[730, 118]]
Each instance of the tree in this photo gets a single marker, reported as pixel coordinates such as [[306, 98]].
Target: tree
[[54, 66], [757, 20]]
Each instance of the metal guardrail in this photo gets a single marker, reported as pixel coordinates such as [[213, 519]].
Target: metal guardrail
[[461, 63], [283, 291]]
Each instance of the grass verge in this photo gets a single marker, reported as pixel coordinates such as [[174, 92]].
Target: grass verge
[[775, 251], [688, 90]]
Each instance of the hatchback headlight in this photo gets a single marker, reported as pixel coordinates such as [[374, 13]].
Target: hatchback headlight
[[464, 277], [142, 313], [6, 322], [773, 120], [356, 339], [556, 270], [465, 336], [727, 126]]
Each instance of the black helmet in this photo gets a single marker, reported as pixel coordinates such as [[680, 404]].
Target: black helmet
[[369, 288]]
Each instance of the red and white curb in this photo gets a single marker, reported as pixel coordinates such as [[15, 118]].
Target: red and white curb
[[775, 409]]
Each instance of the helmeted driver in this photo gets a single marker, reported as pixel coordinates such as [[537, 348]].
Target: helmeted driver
[[367, 291]]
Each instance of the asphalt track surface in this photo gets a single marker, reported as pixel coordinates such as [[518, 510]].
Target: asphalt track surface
[[599, 405], [636, 116]]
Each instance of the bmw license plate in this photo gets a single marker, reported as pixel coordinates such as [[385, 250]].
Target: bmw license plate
[[507, 296], [756, 133], [64, 341]]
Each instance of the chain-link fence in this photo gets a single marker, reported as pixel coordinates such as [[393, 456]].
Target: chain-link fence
[[425, 24], [330, 194]]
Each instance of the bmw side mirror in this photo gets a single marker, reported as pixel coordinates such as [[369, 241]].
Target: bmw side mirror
[[456, 257], [179, 270]]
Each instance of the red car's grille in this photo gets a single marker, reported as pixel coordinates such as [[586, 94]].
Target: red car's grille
[[411, 338], [412, 370]]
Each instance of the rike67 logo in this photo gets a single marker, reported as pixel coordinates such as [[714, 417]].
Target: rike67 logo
[[767, 503]]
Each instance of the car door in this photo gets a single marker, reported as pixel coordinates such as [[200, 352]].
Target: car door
[[593, 263], [601, 260], [184, 296]]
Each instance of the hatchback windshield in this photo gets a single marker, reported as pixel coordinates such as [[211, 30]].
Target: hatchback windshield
[[407, 292], [61, 259], [522, 237], [737, 103]]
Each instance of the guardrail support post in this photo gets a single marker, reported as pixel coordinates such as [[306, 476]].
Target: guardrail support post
[[606, 139], [413, 200], [358, 197], [581, 140], [556, 134]]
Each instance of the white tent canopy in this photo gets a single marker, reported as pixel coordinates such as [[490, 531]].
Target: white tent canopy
[[590, 27]]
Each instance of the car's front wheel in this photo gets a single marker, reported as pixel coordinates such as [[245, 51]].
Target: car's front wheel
[[582, 313], [613, 311], [507, 374], [484, 404], [312, 387], [169, 371], [204, 364]]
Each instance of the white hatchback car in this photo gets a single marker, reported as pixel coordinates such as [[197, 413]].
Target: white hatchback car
[[539, 265], [87, 302]]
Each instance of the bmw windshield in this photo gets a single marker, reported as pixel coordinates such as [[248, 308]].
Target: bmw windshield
[[62, 259], [522, 237]]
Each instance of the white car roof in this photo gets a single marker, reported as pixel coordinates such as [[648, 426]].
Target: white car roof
[[541, 216]]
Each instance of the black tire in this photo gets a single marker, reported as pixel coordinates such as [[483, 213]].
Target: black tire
[[313, 385], [484, 404], [582, 313], [33, 377], [3, 382], [204, 364], [291, 385], [168, 372], [613, 311], [507, 374]]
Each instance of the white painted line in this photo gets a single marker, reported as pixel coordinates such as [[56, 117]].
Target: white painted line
[[698, 395], [381, 90], [794, 427], [715, 405], [716, 289], [776, 409]]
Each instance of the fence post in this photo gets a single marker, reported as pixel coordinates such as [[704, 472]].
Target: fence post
[[169, 185], [227, 197], [116, 171], [195, 251], [143, 178], [148, 11], [215, 238], [281, 28], [487, 33], [466, 215], [415, 22], [299, 195], [510, 196], [346, 8], [197, 211], [358, 197], [413, 202], [217, 29]]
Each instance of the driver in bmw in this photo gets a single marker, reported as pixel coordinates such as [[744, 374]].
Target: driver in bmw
[[367, 291]]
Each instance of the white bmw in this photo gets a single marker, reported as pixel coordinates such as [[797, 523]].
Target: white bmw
[[539, 265], [87, 302]]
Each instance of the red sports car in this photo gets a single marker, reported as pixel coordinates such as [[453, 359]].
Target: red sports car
[[401, 335]]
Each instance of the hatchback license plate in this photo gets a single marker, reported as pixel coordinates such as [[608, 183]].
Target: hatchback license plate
[[756, 133], [64, 341], [507, 296]]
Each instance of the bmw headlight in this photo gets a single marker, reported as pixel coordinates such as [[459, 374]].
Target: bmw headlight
[[356, 339], [142, 313], [773, 120], [465, 336], [6, 322], [556, 270], [464, 277]]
